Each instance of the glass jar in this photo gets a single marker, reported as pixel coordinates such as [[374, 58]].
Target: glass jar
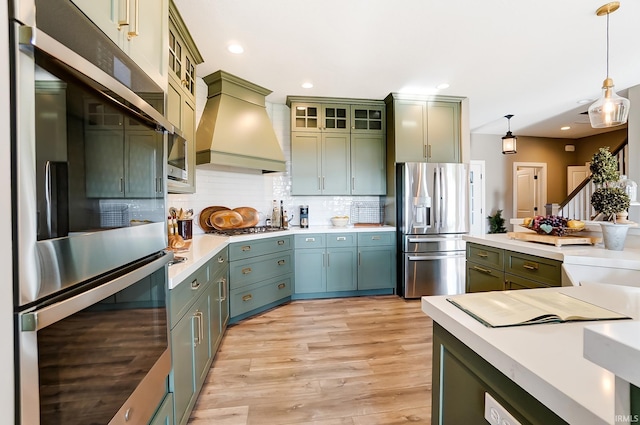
[[630, 187]]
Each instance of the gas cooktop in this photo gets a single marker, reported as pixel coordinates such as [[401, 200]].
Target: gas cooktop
[[245, 231]]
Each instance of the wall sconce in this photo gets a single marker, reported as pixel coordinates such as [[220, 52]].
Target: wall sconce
[[509, 140], [610, 110]]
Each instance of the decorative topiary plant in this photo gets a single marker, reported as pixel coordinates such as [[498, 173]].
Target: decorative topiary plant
[[608, 199], [604, 167]]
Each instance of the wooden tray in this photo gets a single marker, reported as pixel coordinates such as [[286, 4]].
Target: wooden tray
[[554, 240]]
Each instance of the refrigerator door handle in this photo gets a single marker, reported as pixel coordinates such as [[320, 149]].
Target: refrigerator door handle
[[433, 257], [441, 204], [437, 197], [428, 240]]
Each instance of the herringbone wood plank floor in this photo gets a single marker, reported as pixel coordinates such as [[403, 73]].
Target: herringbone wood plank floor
[[346, 361]]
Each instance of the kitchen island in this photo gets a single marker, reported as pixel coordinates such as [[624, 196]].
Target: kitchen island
[[544, 360], [579, 262]]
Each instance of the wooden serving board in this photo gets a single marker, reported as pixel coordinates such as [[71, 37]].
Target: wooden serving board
[[554, 240]]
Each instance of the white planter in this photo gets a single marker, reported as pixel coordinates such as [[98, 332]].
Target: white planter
[[614, 235]]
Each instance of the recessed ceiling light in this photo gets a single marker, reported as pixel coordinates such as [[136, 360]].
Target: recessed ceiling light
[[307, 85], [235, 48], [442, 86], [583, 101], [565, 128]]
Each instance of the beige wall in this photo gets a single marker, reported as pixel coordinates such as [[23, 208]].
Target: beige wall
[[499, 167]]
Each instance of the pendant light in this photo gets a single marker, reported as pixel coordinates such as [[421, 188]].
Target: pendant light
[[509, 140], [610, 110]]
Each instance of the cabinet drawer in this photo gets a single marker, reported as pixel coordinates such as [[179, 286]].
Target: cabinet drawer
[[480, 278], [335, 240], [182, 296], [515, 282], [259, 294], [312, 240], [220, 259], [535, 268], [242, 250], [252, 270], [485, 255], [376, 238]]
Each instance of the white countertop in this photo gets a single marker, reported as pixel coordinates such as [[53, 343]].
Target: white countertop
[[589, 255], [205, 246], [547, 360]]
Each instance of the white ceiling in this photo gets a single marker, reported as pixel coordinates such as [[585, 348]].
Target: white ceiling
[[532, 59]]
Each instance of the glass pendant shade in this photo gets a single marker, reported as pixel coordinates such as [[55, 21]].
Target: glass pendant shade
[[609, 110], [509, 143]]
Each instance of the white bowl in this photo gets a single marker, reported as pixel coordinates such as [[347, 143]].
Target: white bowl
[[339, 221]]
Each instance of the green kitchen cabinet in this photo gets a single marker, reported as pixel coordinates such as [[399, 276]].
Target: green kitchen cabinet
[[145, 45], [325, 263], [260, 275], [198, 316], [320, 164], [495, 269], [190, 352], [320, 117], [184, 57], [368, 158], [338, 146], [421, 129], [376, 260], [462, 379], [368, 119]]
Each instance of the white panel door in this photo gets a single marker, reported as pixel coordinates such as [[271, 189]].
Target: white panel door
[[526, 192], [575, 175]]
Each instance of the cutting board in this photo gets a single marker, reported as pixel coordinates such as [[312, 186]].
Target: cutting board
[[554, 240]]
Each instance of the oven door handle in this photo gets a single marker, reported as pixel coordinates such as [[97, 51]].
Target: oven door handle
[[33, 37], [40, 319]]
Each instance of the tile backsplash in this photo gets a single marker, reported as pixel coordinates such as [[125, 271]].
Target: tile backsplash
[[250, 188]]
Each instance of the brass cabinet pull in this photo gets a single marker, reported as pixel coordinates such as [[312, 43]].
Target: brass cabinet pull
[[123, 13], [223, 282], [530, 266], [482, 270], [199, 334], [280, 242], [341, 238], [310, 239], [246, 270], [247, 297], [281, 286], [134, 25], [195, 284], [482, 254], [220, 259], [246, 248], [280, 262], [375, 238]]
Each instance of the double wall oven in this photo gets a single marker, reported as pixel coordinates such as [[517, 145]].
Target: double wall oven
[[89, 201]]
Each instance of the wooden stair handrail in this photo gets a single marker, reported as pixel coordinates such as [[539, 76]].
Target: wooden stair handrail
[[587, 179]]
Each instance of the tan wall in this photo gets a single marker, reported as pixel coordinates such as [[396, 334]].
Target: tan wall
[[499, 167]]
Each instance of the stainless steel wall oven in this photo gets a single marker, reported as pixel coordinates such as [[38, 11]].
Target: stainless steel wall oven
[[90, 164]]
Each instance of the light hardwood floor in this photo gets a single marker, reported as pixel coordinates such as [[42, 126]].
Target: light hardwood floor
[[347, 361]]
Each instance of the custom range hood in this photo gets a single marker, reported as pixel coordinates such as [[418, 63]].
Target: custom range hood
[[234, 129]]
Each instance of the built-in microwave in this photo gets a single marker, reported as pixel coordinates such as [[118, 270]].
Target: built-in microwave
[[177, 161]]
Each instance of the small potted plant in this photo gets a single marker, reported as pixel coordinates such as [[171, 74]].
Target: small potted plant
[[608, 199]]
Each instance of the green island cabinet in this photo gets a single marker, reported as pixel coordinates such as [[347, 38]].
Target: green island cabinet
[[184, 57], [198, 316], [260, 275], [423, 129], [460, 380], [344, 264], [495, 269], [144, 44], [337, 146]]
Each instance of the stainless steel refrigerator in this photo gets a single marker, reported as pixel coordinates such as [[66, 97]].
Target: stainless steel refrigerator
[[433, 215]]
